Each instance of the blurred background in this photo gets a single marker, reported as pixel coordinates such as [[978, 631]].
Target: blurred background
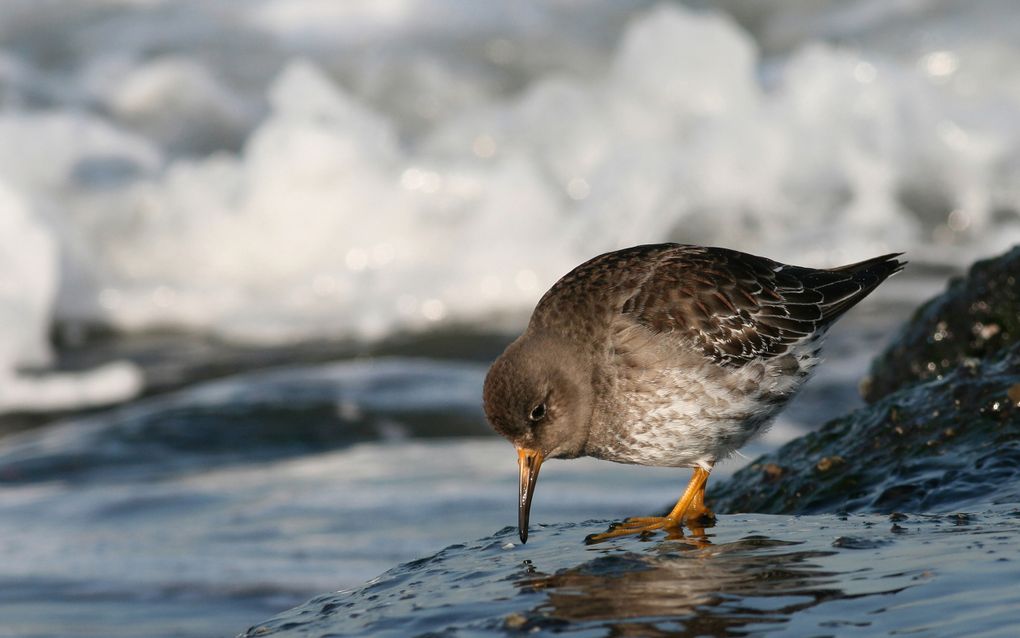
[[255, 256]]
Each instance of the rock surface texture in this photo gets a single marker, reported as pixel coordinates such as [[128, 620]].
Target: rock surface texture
[[943, 445], [976, 317]]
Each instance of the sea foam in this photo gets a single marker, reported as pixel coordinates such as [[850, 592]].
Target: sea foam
[[398, 191], [28, 259]]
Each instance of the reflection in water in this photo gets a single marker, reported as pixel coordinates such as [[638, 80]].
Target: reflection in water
[[750, 575], [686, 586]]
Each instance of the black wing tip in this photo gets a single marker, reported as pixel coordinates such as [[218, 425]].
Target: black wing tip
[[894, 260], [900, 263], [891, 264], [866, 275], [882, 266]]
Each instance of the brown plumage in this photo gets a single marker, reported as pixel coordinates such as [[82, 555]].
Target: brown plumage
[[665, 354]]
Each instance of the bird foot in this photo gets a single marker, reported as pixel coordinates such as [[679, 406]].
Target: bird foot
[[645, 526], [640, 525]]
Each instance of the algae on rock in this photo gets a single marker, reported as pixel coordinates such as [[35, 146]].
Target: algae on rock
[[975, 317]]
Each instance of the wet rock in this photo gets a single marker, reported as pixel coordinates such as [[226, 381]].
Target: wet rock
[[977, 316], [746, 575], [936, 446]]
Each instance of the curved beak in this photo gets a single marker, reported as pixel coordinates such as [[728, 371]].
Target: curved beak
[[529, 462]]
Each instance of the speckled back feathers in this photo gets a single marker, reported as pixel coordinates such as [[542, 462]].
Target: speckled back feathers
[[731, 306], [668, 354]]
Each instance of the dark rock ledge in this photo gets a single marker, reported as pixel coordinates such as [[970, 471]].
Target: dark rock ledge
[[944, 445], [976, 317], [943, 431]]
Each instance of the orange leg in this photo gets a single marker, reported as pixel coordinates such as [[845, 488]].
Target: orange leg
[[695, 492], [698, 511], [690, 507]]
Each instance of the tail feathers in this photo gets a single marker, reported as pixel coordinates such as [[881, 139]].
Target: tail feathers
[[880, 267], [854, 282]]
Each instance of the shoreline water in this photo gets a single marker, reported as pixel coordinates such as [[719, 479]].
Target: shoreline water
[[146, 502]]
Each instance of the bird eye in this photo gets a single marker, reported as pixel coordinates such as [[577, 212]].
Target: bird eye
[[538, 413]]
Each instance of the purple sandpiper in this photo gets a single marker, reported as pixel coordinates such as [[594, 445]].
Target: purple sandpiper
[[665, 355]]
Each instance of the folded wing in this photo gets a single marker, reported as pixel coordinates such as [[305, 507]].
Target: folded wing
[[736, 307]]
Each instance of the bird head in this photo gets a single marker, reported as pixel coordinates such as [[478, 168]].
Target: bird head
[[538, 396]]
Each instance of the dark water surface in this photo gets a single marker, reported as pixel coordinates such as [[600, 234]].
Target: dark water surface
[[749, 575], [202, 511]]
